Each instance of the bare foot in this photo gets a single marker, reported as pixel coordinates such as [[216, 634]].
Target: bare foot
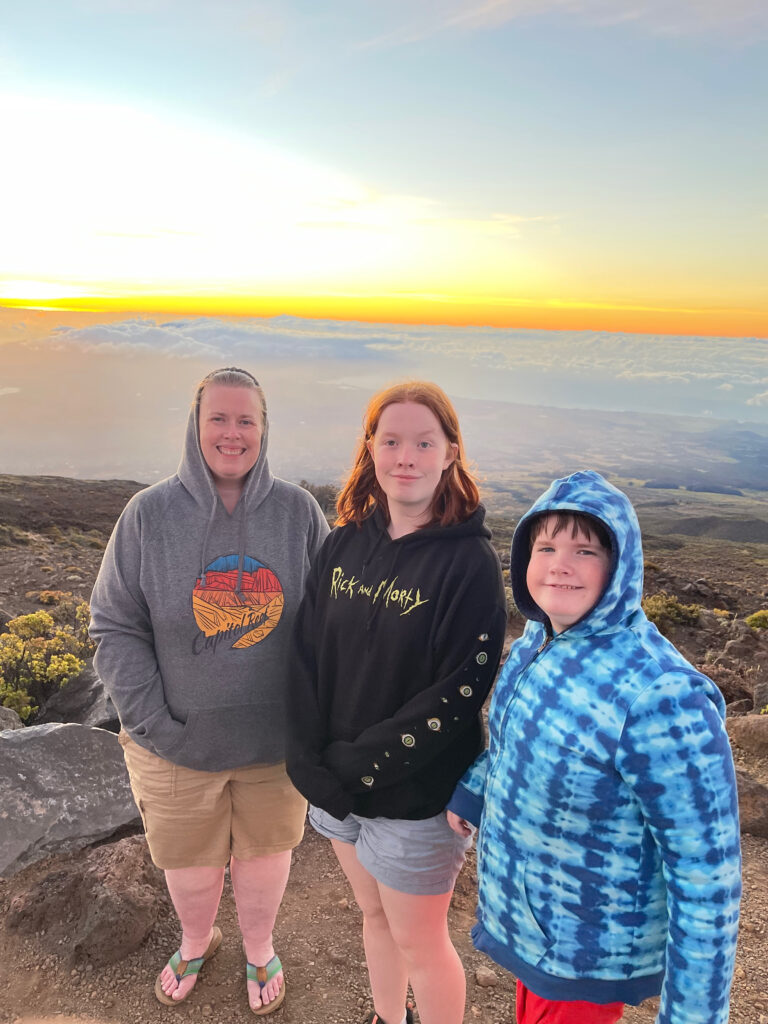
[[189, 951], [259, 996]]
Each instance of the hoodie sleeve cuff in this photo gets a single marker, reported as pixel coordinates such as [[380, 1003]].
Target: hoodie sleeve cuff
[[338, 805], [165, 734], [466, 805]]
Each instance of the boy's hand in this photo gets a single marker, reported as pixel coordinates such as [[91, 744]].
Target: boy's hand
[[459, 825]]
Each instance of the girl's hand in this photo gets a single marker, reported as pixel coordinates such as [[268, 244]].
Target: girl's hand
[[459, 825]]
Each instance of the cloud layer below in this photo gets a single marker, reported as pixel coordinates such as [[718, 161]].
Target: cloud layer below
[[721, 377]]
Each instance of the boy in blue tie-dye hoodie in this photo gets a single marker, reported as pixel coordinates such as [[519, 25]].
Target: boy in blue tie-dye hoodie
[[608, 850]]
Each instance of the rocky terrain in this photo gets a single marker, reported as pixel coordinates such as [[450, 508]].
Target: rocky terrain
[[86, 922]]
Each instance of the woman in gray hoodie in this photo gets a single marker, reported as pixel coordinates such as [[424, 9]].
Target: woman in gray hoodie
[[192, 613]]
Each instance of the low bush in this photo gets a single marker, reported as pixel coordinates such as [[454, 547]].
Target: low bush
[[10, 536], [758, 620], [324, 494], [39, 655], [666, 611], [53, 596]]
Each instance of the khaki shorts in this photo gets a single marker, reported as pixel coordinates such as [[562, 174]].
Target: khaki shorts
[[199, 819]]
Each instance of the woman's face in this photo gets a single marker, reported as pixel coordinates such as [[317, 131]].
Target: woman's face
[[229, 421]]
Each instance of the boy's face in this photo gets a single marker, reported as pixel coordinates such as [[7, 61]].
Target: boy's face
[[566, 575]]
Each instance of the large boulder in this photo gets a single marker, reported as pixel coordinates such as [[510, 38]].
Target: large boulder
[[62, 787], [741, 647], [83, 701], [97, 906], [753, 805], [749, 733], [9, 719]]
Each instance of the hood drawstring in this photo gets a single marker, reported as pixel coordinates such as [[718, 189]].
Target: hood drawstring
[[240, 552], [204, 548]]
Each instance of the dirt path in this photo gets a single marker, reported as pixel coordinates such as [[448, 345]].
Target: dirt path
[[319, 940]]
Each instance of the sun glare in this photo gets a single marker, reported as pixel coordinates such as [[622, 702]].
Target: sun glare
[[133, 210], [37, 290], [126, 199]]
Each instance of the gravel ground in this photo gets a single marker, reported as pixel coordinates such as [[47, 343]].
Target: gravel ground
[[320, 942]]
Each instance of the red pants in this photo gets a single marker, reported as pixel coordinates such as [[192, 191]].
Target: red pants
[[531, 1009]]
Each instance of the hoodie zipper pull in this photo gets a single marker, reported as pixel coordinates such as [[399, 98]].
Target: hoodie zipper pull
[[547, 640]]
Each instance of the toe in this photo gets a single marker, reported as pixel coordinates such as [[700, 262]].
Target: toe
[[272, 988], [168, 980], [258, 997], [254, 995], [183, 987]]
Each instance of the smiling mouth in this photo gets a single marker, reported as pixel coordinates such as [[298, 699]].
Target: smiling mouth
[[562, 586], [230, 451]]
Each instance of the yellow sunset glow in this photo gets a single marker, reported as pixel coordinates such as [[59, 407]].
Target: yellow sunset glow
[[118, 208]]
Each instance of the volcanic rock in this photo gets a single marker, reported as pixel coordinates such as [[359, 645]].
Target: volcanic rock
[[753, 805], [83, 701], [98, 906], [750, 733], [62, 787]]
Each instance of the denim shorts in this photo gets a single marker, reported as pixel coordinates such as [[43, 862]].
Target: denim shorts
[[421, 858]]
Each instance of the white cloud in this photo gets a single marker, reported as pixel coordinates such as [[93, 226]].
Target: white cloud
[[9, 391], [206, 337], [761, 399], [644, 360], [139, 335]]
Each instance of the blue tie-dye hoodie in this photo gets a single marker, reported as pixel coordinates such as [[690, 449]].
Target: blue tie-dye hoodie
[[608, 850]]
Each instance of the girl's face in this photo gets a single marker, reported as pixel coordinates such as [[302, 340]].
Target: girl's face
[[229, 421], [410, 452]]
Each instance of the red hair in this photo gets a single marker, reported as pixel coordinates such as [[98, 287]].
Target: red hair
[[456, 496]]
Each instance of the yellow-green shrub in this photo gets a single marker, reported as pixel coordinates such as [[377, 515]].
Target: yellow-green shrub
[[39, 655], [758, 620], [665, 611], [53, 596]]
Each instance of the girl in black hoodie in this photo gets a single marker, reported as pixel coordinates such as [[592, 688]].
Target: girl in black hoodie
[[398, 640]]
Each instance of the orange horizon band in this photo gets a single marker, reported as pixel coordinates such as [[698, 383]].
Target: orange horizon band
[[427, 310]]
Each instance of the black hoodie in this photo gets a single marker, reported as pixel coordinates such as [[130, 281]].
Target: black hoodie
[[397, 646]]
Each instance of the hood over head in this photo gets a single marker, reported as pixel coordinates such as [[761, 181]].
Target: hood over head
[[590, 493], [197, 479], [194, 473]]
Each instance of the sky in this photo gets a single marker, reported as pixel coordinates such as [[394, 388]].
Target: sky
[[579, 165]]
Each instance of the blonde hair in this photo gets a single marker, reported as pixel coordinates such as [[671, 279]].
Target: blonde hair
[[232, 377]]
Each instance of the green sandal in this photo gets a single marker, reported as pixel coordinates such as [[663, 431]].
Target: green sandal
[[262, 975], [184, 968]]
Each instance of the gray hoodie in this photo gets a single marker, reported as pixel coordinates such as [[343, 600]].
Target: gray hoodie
[[193, 610]]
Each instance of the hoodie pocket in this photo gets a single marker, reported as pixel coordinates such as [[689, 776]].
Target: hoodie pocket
[[533, 942], [218, 739]]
